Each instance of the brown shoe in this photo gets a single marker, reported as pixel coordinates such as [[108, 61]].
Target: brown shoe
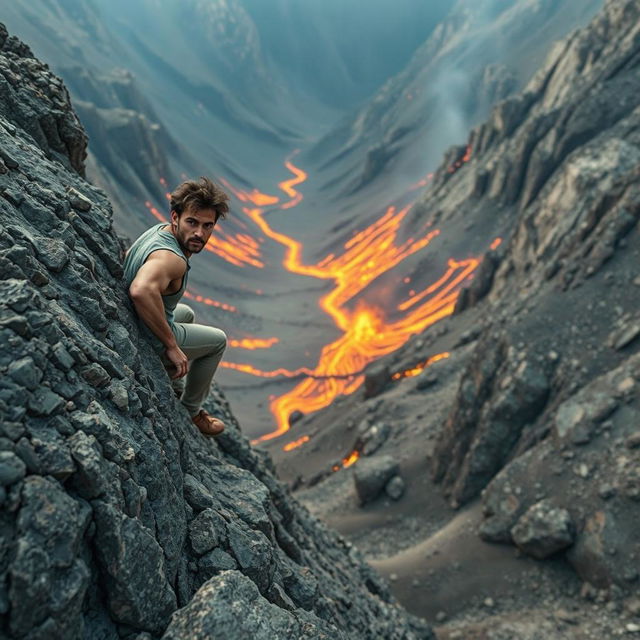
[[208, 425]]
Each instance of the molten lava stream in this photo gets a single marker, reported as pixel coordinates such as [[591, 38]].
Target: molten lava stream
[[366, 338], [367, 255]]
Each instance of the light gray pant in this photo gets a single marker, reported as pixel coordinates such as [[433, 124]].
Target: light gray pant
[[204, 347]]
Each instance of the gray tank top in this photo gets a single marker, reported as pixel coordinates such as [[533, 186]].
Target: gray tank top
[[152, 240]]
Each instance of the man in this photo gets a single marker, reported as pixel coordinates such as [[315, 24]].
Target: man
[[155, 271]]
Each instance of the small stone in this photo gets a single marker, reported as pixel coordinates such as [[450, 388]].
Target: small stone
[[626, 385], [582, 470], [25, 373], [395, 488], [627, 336], [633, 441], [489, 603], [95, 375], [393, 577], [562, 615], [374, 438], [119, 396], [426, 380], [607, 491], [12, 468], [78, 201], [61, 357], [441, 616], [632, 627]]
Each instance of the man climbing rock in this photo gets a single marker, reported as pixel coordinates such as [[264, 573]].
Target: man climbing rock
[[155, 271]]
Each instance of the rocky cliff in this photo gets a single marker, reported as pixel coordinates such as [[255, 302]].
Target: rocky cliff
[[118, 518]]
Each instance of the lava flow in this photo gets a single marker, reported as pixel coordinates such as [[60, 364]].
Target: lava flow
[[368, 330], [368, 333]]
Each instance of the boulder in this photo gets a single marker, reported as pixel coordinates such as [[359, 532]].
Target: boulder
[[371, 476], [544, 530]]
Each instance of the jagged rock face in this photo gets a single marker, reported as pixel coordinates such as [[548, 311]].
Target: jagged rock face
[[117, 513], [556, 167], [33, 99]]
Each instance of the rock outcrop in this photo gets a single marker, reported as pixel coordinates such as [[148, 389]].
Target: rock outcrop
[[549, 396], [560, 165], [119, 518]]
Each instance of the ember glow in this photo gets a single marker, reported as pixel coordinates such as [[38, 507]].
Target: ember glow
[[208, 301], [296, 443], [346, 462], [410, 373], [253, 343], [496, 243]]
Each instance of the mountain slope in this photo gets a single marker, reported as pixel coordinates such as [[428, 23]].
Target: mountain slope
[[119, 518]]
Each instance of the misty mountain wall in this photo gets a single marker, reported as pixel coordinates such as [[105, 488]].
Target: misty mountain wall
[[479, 54], [119, 519]]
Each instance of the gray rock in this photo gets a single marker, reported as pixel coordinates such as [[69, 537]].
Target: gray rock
[[44, 402], [214, 562], [206, 531], [253, 553], [78, 201], [426, 380], [376, 381], [371, 476], [25, 372], [230, 606], [374, 438], [544, 530], [395, 488], [12, 468], [119, 396], [138, 593]]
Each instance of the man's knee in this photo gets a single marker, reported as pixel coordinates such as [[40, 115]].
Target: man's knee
[[184, 313], [220, 339]]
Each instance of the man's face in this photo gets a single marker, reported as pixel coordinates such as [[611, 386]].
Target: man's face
[[193, 228]]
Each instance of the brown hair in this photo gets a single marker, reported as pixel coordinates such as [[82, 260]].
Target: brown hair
[[198, 195]]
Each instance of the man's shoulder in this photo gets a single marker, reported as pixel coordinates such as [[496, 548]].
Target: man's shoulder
[[169, 259]]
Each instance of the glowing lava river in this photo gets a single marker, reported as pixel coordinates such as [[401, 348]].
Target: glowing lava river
[[368, 329]]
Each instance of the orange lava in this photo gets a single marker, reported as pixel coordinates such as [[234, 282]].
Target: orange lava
[[209, 302], [346, 462], [366, 333], [287, 185], [296, 443], [496, 243], [409, 373], [253, 343], [251, 370]]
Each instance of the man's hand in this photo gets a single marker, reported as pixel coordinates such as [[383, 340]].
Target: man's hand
[[178, 360]]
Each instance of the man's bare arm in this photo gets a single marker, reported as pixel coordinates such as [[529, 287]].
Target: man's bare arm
[[161, 268]]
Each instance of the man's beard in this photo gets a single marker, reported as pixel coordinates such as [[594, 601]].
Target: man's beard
[[187, 245]]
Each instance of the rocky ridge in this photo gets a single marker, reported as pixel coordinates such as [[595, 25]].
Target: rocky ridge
[[119, 519]]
